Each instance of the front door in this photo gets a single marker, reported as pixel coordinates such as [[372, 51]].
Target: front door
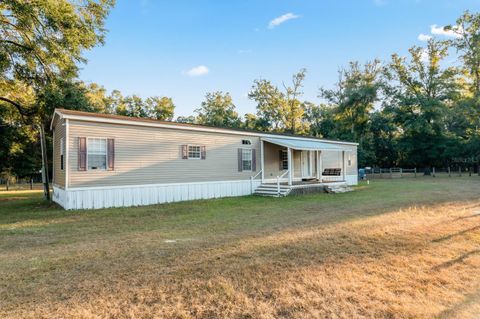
[[306, 162]]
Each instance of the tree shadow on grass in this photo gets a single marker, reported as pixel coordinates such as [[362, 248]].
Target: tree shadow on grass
[[457, 260], [460, 233]]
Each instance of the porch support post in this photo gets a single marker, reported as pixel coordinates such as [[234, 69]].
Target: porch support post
[[343, 165], [317, 160], [262, 159], [290, 166], [320, 160]]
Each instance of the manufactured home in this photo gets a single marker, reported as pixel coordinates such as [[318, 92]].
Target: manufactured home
[[103, 160]]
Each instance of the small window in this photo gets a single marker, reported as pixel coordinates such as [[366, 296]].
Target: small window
[[62, 152], [284, 159], [194, 152], [349, 160], [97, 153], [246, 142], [246, 159]]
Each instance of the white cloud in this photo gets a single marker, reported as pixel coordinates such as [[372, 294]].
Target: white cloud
[[424, 37], [197, 71], [282, 19], [438, 30]]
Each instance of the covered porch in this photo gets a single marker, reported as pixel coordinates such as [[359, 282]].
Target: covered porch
[[302, 163]]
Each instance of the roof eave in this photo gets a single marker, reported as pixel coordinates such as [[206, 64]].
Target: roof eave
[[55, 114], [85, 117]]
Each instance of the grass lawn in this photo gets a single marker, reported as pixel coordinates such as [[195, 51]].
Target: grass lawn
[[404, 248]]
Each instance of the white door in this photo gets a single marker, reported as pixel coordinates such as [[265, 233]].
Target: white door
[[306, 164]]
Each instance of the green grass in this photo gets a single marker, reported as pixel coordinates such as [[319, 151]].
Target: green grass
[[188, 258]]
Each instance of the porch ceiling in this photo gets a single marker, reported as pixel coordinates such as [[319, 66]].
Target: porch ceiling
[[305, 145]]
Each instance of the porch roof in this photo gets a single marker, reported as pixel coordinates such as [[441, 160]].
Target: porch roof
[[305, 145]]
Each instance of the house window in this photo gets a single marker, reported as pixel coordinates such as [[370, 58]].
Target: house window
[[284, 159], [246, 142], [246, 159], [194, 152], [97, 153], [62, 152]]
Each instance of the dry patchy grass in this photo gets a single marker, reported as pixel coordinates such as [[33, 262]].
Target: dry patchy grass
[[393, 249]]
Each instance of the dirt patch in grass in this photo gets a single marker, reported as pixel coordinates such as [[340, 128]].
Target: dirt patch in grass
[[387, 251]]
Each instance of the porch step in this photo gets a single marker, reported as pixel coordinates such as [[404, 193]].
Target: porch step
[[272, 190], [338, 188]]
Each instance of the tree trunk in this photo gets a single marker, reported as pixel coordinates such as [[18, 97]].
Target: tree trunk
[[43, 145]]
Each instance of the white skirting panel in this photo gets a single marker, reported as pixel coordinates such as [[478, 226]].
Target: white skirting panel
[[138, 195], [59, 196], [351, 179]]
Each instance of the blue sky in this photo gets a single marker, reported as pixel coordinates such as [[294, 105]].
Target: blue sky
[[183, 49]]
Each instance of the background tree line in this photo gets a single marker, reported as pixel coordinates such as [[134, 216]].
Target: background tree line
[[416, 110]]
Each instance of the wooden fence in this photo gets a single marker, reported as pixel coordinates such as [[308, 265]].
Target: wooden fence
[[398, 172]]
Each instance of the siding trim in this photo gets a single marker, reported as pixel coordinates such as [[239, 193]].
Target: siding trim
[[155, 185], [66, 167], [203, 129], [53, 157]]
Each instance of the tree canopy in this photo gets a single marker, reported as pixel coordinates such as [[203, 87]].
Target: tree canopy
[[415, 110]]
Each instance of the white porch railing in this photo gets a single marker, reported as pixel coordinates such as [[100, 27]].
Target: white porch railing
[[278, 181], [252, 178]]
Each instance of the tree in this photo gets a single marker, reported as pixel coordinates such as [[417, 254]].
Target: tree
[[41, 45], [464, 124], [294, 107], [351, 104], [381, 141], [421, 94], [98, 99], [218, 110], [281, 110], [42, 42], [320, 119], [270, 104], [186, 119], [133, 106], [160, 108], [467, 29], [354, 96]]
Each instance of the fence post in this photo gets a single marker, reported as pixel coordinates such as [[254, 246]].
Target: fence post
[[433, 171], [401, 172], [31, 183], [469, 171], [391, 175], [449, 173], [8, 182], [415, 171], [459, 171]]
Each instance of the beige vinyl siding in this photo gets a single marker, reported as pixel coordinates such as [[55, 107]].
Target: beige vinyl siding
[[333, 159], [59, 131], [297, 164], [148, 155], [272, 161]]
